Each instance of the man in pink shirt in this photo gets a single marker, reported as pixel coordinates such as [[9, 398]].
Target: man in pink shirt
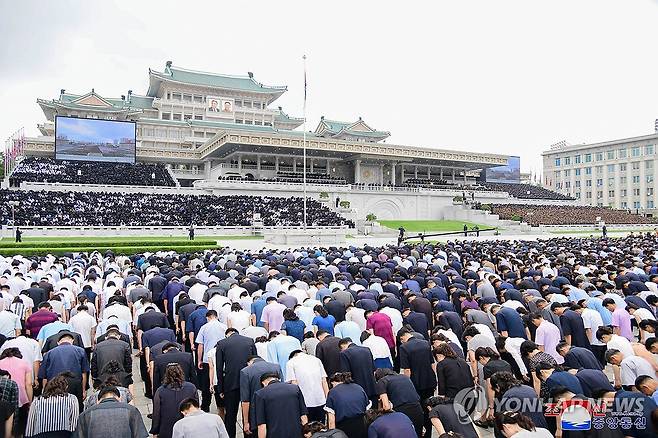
[[272, 316], [621, 319], [379, 324], [547, 336]]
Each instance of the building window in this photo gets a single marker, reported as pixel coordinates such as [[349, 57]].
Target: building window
[[611, 155], [187, 116], [611, 193], [257, 122], [577, 195], [648, 149], [175, 96], [622, 180], [268, 123], [166, 116], [599, 182], [567, 184], [649, 178], [589, 195], [636, 192], [635, 152], [567, 172], [588, 183], [248, 122], [636, 179], [648, 164], [650, 191], [576, 159], [588, 171], [599, 169], [611, 168], [623, 193], [198, 117], [635, 165], [622, 167], [599, 156], [611, 182], [557, 162], [177, 116], [238, 121], [246, 104], [624, 204], [168, 95], [649, 204], [578, 172], [636, 205], [187, 98], [588, 158], [557, 174], [577, 184], [599, 194], [622, 153], [567, 161]]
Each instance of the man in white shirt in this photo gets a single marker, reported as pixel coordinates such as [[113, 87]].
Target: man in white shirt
[[356, 315], [119, 310], [10, 324], [396, 318], [308, 373], [196, 292], [85, 325], [632, 367]]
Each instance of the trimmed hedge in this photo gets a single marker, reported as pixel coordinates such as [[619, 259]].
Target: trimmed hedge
[[109, 244], [117, 250]]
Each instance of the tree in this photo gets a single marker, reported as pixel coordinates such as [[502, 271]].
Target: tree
[[371, 217]]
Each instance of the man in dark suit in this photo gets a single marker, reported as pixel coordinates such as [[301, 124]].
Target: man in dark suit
[[231, 356], [52, 340], [171, 354], [249, 384], [358, 361], [112, 348], [37, 294], [328, 352]]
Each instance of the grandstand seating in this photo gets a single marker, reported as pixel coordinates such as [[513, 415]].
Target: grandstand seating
[[566, 214], [526, 191], [39, 169], [42, 208]]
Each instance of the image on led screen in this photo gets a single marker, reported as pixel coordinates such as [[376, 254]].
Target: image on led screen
[[94, 140], [511, 173]]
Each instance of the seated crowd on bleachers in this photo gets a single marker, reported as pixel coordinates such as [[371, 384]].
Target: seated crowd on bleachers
[[41, 169], [567, 214], [354, 342], [526, 191], [42, 208]]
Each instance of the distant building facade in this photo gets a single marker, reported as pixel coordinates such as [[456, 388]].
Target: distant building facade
[[618, 173]]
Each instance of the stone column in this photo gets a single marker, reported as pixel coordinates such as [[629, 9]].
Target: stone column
[[381, 174], [393, 173], [276, 163], [441, 173], [258, 162], [294, 164], [310, 165], [357, 171], [239, 162], [429, 172], [453, 174], [415, 171], [206, 168]]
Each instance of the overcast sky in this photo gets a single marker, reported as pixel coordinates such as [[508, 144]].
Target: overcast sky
[[505, 76]]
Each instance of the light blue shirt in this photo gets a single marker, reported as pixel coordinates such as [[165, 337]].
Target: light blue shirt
[[209, 335], [348, 329], [279, 349], [577, 294], [50, 329], [597, 304]]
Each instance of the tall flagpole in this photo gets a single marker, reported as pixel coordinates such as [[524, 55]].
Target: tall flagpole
[[304, 127]]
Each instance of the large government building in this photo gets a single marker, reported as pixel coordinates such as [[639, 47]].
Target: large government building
[[617, 173], [224, 134]]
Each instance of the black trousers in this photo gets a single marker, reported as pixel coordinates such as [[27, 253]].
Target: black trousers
[[144, 373], [599, 353], [232, 406], [317, 413], [427, 423], [204, 382], [415, 413]]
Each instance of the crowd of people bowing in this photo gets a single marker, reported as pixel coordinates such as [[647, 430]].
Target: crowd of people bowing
[[395, 341]]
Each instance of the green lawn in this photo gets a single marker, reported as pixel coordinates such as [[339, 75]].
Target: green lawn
[[429, 226]]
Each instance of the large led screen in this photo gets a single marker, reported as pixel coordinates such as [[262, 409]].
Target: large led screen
[[511, 173], [94, 140]]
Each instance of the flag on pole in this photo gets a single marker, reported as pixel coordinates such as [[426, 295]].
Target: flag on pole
[[304, 57]]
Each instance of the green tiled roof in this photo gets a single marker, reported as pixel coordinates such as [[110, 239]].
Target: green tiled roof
[[335, 126], [136, 102], [244, 83], [374, 134], [284, 117], [144, 102]]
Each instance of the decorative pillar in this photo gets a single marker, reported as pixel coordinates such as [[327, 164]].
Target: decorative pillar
[[311, 165], [393, 173], [327, 169], [357, 171], [381, 174], [258, 162], [206, 168], [453, 174], [294, 164], [429, 172], [415, 171], [276, 163], [464, 176], [240, 162]]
